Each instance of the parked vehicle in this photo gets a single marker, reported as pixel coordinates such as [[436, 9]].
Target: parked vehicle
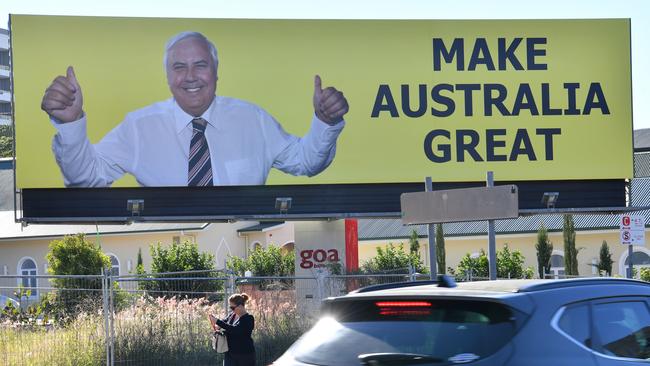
[[576, 322]]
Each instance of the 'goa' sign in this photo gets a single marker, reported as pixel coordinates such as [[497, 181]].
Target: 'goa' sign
[[314, 258]]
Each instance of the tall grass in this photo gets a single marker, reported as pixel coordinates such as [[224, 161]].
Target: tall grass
[[78, 343], [150, 331]]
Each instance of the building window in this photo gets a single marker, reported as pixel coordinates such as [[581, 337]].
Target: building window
[[557, 264], [4, 58], [5, 108], [640, 259], [5, 84], [115, 265], [27, 268], [287, 248]]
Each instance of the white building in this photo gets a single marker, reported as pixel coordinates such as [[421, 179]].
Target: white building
[[5, 81]]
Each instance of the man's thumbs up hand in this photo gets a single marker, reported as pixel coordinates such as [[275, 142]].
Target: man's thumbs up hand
[[62, 99], [329, 104]]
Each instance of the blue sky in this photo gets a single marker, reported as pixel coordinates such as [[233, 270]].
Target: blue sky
[[637, 10]]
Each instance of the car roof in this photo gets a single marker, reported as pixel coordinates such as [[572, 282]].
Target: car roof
[[498, 288]]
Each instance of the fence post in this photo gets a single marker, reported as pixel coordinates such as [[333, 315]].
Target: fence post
[[320, 284], [111, 315], [229, 289], [107, 335]]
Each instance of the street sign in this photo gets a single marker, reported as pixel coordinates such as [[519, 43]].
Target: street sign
[[459, 205], [632, 229]]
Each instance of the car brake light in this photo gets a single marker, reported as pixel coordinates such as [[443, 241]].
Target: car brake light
[[403, 304], [396, 308]]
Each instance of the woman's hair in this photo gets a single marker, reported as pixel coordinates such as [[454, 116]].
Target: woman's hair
[[239, 299]]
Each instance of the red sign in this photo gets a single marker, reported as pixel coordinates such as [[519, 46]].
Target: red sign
[[626, 220]]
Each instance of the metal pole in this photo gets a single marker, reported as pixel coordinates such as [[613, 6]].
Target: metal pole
[[111, 319], [107, 334], [431, 232], [492, 246], [630, 266]]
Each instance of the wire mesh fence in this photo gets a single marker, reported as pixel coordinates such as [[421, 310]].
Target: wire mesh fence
[[52, 320], [163, 319], [157, 320]]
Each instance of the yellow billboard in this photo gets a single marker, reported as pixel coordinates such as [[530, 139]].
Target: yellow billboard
[[131, 101]]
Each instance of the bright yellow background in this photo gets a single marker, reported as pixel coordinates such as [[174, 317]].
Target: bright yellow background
[[118, 62]]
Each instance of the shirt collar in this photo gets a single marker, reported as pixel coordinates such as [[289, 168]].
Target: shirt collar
[[182, 119]]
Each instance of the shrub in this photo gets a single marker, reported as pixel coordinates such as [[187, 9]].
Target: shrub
[[393, 259], [645, 274], [74, 255], [510, 264], [269, 262], [177, 258], [473, 266]]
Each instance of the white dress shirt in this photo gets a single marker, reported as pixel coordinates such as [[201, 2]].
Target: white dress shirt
[[153, 144]]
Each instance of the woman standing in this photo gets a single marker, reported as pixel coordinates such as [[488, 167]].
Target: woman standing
[[238, 326]]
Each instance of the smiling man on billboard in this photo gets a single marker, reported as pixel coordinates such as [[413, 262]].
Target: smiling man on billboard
[[194, 138]]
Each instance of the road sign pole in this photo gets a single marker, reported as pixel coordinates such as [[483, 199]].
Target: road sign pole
[[432, 237], [630, 251], [492, 250]]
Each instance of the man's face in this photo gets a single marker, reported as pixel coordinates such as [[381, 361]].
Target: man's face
[[191, 75]]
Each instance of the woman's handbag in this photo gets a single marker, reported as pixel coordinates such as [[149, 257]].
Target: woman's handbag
[[219, 342]]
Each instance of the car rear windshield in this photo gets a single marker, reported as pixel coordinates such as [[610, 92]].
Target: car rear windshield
[[451, 331]]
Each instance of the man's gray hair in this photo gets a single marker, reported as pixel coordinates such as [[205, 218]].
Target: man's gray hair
[[184, 35]]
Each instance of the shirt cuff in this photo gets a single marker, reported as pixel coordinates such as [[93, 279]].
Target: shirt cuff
[[324, 130], [70, 133]]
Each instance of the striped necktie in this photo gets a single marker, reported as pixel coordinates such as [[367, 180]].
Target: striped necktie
[[199, 167]]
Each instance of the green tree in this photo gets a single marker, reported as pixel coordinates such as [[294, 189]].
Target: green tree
[[605, 261], [6, 141], [570, 250], [544, 249], [75, 255], [269, 262], [440, 249], [139, 267], [393, 259], [414, 244], [181, 257]]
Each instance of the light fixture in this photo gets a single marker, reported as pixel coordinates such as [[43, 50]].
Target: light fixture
[[549, 199], [135, 207], [283, 204]]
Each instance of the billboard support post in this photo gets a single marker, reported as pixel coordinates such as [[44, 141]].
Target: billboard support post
[[432, 236], [492, 253]]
